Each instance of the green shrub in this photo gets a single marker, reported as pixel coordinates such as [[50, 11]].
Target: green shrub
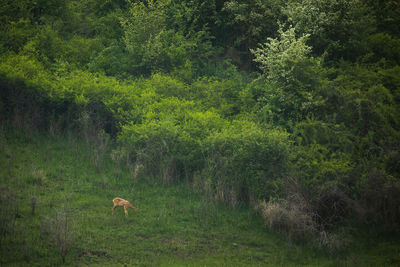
[[245, 161], [168, 142]]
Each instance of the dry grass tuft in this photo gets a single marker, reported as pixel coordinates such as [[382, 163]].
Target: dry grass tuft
[[293, 217]]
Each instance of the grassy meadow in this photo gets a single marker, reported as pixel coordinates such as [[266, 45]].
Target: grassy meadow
[[54, 203]]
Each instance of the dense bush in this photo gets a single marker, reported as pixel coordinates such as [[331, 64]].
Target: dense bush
[[246, 162]]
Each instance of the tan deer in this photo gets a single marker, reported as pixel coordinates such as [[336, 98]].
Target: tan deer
[[123, 203]]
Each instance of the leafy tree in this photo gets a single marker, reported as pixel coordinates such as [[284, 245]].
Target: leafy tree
[[46, 46], [17, 35], [293, 79], [338, 27], [246, 24], [387, 15], [155, 45], [113, 60], [384, 47]]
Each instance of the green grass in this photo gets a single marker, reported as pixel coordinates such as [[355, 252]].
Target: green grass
[[175, 226]]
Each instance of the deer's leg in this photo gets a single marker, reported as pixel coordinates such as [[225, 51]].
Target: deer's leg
[[112, 209], [126, 211]]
